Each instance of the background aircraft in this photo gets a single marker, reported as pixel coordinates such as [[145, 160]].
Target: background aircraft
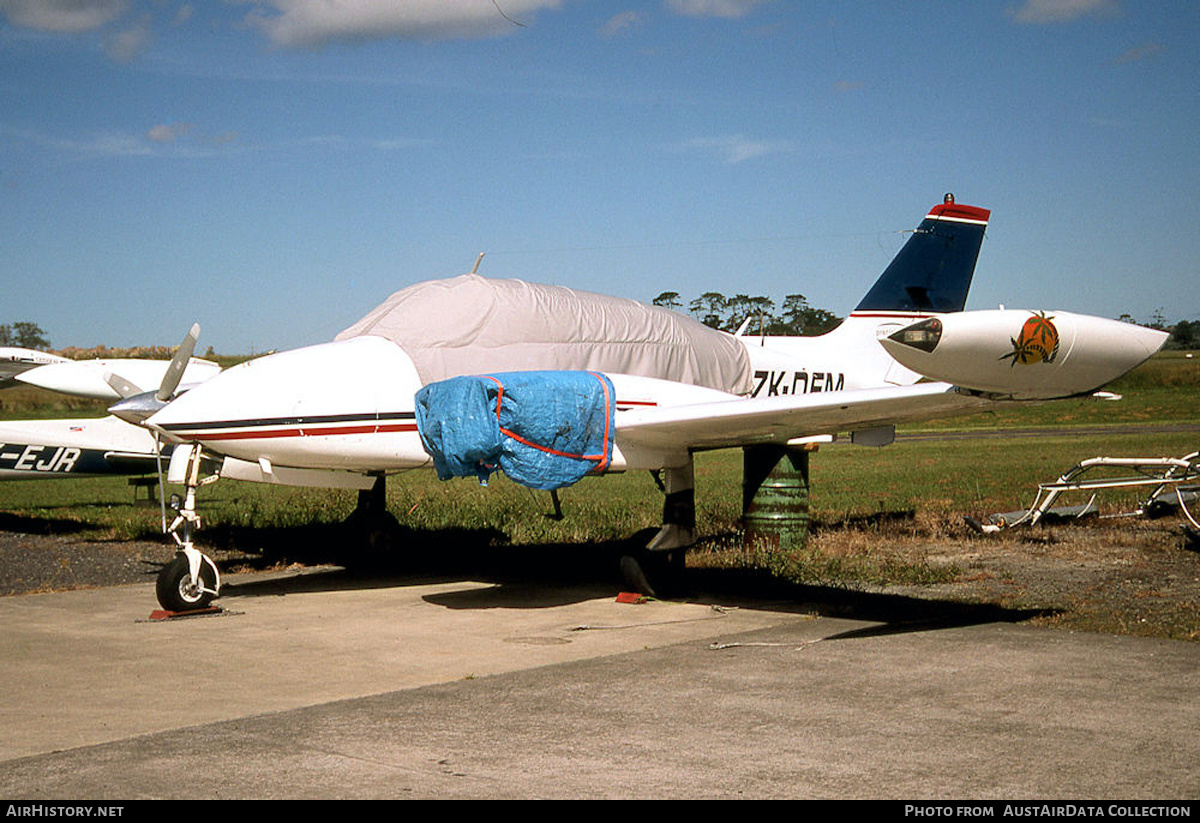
[[15, 360], [44, 449], [95, 378], [78, 447], [548, 384]]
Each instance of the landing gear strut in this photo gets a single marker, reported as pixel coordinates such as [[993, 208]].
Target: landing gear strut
[[191, 580], [375, 530], [656, 568]]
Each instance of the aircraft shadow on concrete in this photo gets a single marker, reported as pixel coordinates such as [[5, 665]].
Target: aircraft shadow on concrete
[[520, 576], [546, 575]]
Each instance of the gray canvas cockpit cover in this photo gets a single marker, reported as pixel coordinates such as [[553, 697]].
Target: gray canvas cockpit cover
[[472, 325]]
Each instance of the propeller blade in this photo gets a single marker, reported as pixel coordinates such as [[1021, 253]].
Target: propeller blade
[[179, 362], [121, 386]]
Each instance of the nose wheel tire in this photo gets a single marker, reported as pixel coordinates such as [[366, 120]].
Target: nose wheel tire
[[178, 592]]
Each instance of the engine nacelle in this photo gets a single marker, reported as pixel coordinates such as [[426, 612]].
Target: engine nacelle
[[1026, 355]]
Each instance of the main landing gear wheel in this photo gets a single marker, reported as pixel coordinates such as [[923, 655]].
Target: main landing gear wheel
[[657, 574], [654, 573], [178, 592], [657, 559]]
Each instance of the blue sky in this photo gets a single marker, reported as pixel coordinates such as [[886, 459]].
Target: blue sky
[[275, 169]]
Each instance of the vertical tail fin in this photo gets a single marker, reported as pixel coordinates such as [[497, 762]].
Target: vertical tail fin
[[933, 271]]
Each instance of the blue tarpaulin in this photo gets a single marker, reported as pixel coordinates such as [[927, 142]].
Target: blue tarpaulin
[[544, 429]]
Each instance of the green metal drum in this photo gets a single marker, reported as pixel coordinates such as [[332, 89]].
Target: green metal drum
[[775, 496]]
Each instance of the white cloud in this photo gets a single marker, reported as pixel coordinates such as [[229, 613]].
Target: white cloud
[[78, 16], [62, 15], [713, 8], [1147, 51], [162, 141], [620, 23], [103, 145], [125, 46], [315, 23], [1061, 11], [339, 141], [739, 148], [168, 133]]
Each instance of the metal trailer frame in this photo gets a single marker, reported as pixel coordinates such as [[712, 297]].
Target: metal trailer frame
[[1173, 481]]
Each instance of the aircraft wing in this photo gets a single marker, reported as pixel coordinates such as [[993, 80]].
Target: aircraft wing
[[15, 360], [745, 422]]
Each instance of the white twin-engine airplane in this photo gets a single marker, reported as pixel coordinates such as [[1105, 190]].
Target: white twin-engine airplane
[[547, 384]]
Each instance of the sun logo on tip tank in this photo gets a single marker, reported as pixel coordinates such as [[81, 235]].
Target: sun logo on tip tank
[[1037, 342]]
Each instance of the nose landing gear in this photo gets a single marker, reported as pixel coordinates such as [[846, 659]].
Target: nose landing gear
[[191, 580], [180, 588]]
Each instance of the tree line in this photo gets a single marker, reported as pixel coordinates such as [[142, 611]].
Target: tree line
[[797, 317], [714, 309], [24, 334], [1184, 335]]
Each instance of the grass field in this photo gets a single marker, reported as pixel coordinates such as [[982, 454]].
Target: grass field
[[941, 478], [975, 475]]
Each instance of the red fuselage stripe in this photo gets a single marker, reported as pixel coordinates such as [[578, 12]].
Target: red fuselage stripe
[[326, 430], [295, 431]]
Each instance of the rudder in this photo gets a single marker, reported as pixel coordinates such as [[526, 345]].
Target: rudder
[[933, 271]]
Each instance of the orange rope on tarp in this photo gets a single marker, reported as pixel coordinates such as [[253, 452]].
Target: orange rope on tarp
[[601, 458]]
